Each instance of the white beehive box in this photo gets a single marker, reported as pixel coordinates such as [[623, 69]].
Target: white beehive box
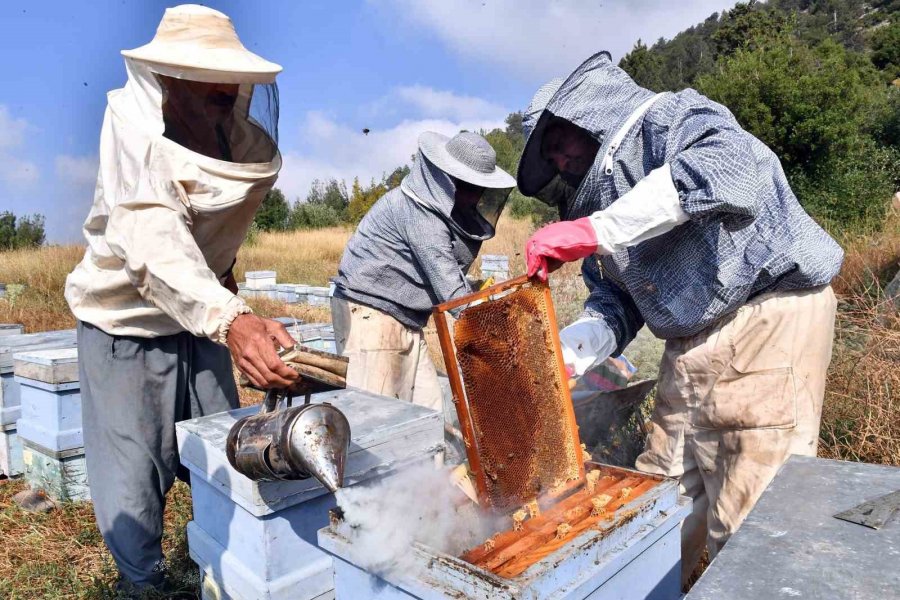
[[257, 540], [635, 555], [496, 266], [318, 296], [11, 329], [257, 280]]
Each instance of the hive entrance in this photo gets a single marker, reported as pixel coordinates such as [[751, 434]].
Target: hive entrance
[[512, 399]]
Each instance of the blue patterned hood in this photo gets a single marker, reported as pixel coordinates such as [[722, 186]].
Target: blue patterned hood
[[747, 232]]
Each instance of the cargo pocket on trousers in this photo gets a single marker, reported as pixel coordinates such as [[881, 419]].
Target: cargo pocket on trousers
[[760, 399]]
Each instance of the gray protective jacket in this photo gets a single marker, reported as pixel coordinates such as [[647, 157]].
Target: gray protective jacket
[[747, 233], [408, 254]]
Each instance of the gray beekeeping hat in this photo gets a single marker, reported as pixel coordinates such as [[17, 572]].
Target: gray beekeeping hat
[[539, 103], [466, 156]]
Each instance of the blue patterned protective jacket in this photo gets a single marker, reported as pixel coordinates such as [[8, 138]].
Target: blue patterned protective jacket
[[747, 233]]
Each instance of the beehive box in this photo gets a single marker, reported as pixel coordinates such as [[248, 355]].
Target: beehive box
[[632, 551], [318, 296], [10, 401], [11, 329], [287, 292], [496, 266], [51, 412], [257, 540], [62, 475], [257, 280], [50, 426], [10, 452]]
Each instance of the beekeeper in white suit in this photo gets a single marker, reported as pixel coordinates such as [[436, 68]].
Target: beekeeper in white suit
[[188, 151]]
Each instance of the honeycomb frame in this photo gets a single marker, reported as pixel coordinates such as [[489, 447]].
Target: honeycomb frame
[[511, 394]]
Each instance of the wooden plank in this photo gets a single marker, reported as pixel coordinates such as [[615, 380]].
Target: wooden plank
[[481, 295]]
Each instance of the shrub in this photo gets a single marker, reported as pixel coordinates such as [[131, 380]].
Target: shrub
[[314, 215]]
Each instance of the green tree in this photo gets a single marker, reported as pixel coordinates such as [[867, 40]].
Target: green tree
[[332, 193], [747, 26], [30, 232], [804, 103], [273, 212], [644, 66], [23, 232], [7, 230], [362, 199], [314, 215], [816, 108], [886, 50]]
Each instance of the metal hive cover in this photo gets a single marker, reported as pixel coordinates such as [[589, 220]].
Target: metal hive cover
[[512, 398]]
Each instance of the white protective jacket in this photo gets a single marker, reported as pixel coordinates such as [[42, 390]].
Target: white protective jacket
[[166, 222]]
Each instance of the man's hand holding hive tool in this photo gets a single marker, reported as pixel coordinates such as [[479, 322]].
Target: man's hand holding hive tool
[[251, 340]]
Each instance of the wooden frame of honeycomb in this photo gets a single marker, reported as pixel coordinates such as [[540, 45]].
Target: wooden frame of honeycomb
[[511, 393]]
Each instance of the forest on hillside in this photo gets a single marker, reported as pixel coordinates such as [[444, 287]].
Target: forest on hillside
[[817, 80]]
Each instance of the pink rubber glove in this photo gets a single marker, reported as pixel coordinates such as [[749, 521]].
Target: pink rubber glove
[[559, 243]]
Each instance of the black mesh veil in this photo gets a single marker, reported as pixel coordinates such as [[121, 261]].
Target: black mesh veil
[[235, 123]]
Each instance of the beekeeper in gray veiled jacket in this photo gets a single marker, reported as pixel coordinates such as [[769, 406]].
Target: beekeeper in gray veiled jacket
[[687, 223], [187, 154], [410, 252]]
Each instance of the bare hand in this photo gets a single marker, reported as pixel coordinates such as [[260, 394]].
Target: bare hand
[[252, 342]]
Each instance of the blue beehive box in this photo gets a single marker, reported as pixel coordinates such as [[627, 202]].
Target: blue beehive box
[[10, 402], [258, 540], [50, 426], [636, 554], [496, 266]]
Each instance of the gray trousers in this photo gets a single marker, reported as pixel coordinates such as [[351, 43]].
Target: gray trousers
[[133, 391]]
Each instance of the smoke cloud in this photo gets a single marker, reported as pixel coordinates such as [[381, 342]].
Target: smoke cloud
[[385, 519]]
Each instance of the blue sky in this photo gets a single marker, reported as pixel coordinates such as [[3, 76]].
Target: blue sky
[[396, 67]]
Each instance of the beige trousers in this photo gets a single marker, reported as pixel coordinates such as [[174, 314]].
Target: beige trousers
[[386, 357], [733, 402]]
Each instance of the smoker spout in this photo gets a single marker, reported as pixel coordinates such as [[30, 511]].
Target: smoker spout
[[320, 441]]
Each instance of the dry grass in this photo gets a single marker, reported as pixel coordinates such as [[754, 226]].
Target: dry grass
[[305, 256], [41, 306], [61, 556]]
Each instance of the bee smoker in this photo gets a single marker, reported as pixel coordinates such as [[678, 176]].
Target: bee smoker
[[291, 442]]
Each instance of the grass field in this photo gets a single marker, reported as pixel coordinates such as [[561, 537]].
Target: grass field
[[60, 555]]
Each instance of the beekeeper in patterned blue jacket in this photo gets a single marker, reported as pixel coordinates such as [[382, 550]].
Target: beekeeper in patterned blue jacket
[[687, 223]]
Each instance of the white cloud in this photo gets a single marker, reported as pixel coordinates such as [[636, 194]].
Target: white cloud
[[79, 170], [541, 39], [15, 171], [430, 102], [12, 131], [334, 149]]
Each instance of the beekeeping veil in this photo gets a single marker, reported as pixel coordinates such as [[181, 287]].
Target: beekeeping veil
[[599, 98], [467, 157], [195, 98]]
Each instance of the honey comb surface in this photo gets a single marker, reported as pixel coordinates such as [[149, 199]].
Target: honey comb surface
[[527, 445]]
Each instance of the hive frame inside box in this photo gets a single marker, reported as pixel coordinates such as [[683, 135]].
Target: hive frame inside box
[[461, 399], [634, 553]]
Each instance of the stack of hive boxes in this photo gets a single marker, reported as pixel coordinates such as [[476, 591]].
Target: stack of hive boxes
[[10, 402], [50, 426]]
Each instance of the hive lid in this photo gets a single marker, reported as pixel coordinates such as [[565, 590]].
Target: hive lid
[[12, 344], [386, 434], [505, 366], [58, 365]]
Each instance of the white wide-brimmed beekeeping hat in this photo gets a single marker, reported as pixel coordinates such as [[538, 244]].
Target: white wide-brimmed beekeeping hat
[[199, 43]]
